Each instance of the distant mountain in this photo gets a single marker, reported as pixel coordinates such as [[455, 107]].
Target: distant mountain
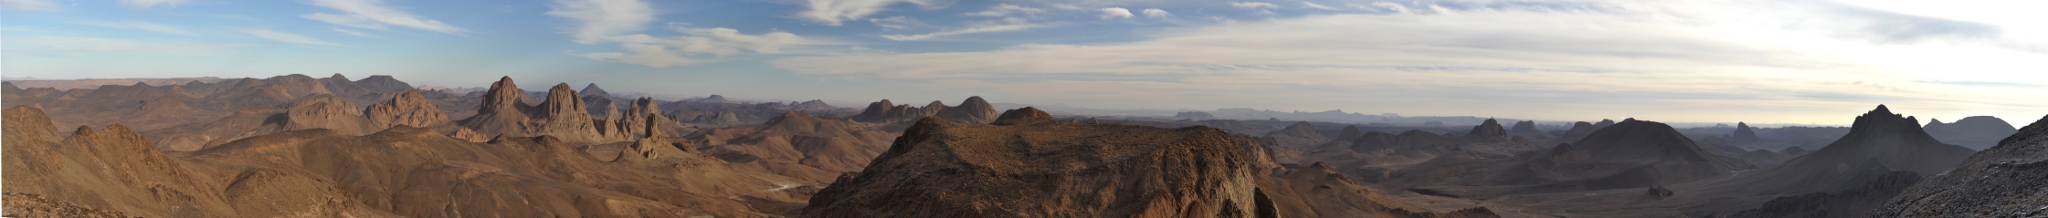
[[1299, 136], [1976, 133], [1879, 139], [1630, 154]]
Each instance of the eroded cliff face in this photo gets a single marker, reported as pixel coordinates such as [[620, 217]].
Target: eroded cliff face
[[2005, 180], [1029, 165]]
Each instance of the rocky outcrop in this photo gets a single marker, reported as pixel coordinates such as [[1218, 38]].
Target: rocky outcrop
[[562, 114], [1194, 115], [1659, 192], [2004, 180], [323, 111], [1744, 136], [503, 112], [1858, 201], [887, 112], [1603, 123], [973, 110], [1977, 132], [1528, 129], [407, 108], [1488, 131], [941, 168]]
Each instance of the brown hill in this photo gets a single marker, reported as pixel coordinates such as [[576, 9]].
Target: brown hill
[[1319, 191], [2004, 180], [564, 115], [1299, 136], [973, 110], [402, 171], [1630, 154], [1039, 167], [407, 108], [797, 145], [1976, 133], [1891, 140]]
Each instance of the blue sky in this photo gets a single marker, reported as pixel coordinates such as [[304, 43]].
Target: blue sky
[[1713, 61]]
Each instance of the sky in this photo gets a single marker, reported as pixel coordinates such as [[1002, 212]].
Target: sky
[[1759, 61]]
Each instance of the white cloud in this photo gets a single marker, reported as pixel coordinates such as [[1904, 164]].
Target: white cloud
[[978, 28], [1110, 13], [603, 18], [144, 26], [1396, 8], [1253, 5], [373, 14], [1441, 10], [287, 37], [1156, 13], [676, 51], [1005, 10], [353, 32], [145, 4], [896, 22], [28, 5], [1317, 6], [833, 12]]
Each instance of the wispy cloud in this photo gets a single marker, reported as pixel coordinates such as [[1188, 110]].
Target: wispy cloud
[[353, 32], [287, 37], [1253, 5], [598, 19], [1112, 13], [654, 51], [1313, 5], [896, 22], [144, 26], [977, 28], [374, 14], [1005, 10], [28, 5], [834, 12], [145, 4]]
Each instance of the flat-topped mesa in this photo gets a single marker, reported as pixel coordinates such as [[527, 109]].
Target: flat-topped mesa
[[973, 110], [1579, 131], [324, 111], [888, 112], [408, 108], [1975, 132]]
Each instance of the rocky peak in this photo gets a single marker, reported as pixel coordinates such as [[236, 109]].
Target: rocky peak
[[504, 97], [1603, 123], [1023, 116], [1882, 121], [1746, 136], [563, 103], [408, 108], [1489, 129], [325, 111], [973, 110], [593, 90], [1528, 129]]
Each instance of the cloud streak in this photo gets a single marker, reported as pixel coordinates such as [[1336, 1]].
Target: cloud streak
[[597, 19], [981, 28], [374, 14], [144, 26], [834, 12], [287, 37]]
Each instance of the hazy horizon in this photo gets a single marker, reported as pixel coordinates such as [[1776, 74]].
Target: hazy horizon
[[1793, 62]]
